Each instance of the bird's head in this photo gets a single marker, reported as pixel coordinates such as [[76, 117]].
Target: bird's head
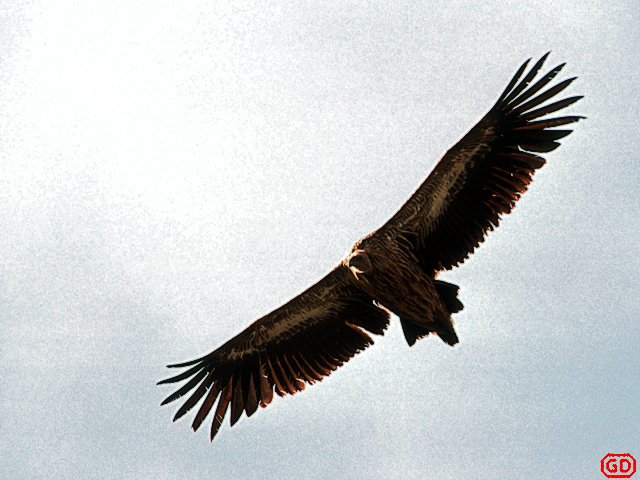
[[359, 263]]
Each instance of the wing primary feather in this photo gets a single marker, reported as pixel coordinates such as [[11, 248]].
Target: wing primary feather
[[359, 332], [289, 387], [524, 179], [237, 403], [540, 147], [549, 123], [345, 348], [315, 363], [194, 398], [534, 102], [295, 376], [515, 186], [310, 376], [246, 369], [180, 376], [505, 190], [279, 385], [206, 406], [536, 87], [337, 350], [266, 388], [513, 81], [185, 388], [221, 410], [529, 160], [526, 80], [190, 362], [536, 135], [327, 360], [293, 373], [251, 404], [552, 107]]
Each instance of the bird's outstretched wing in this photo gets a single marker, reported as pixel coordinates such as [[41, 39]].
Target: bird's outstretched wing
[[302, 341], [482, 176]]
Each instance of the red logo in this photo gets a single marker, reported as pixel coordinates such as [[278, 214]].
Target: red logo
[[618, 465]]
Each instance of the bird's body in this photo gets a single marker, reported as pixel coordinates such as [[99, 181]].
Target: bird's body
[[393, 269], [384, 268]]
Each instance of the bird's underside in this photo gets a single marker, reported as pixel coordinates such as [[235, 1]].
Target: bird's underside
[[477, 181]]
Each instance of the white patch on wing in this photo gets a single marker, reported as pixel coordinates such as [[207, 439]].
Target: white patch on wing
[[446, 187], [295, 320], [443, 191], [306, 309]]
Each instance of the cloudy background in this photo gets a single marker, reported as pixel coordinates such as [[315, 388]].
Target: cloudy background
[[171, 173]]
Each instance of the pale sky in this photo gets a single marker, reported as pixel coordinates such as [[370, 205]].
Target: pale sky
[[169, 174]]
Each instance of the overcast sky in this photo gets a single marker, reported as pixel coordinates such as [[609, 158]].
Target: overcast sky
[[169, 174]]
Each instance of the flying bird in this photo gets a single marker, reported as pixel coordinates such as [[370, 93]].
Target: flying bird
[[393, 269]]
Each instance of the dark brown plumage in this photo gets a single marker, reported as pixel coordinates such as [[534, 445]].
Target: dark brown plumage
[[479, 179]]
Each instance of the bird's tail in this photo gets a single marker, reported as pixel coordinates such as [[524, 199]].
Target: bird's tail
[[448, 293]]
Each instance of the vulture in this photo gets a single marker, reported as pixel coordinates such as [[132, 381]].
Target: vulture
[[393, 269]]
